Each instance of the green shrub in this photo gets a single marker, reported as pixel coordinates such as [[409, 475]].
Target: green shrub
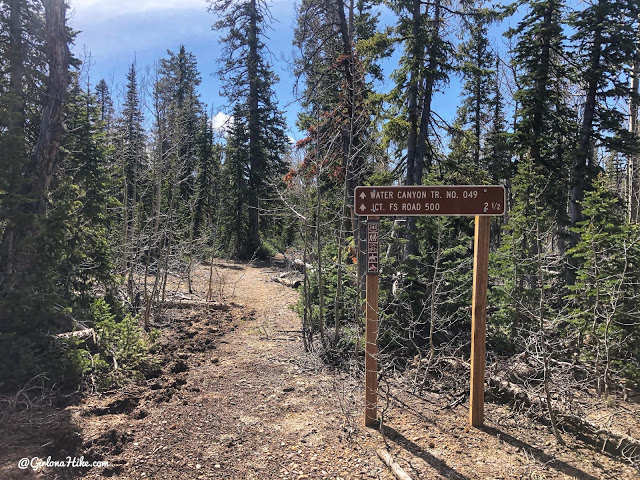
[[266, 250], [123, 347], [18, 361]]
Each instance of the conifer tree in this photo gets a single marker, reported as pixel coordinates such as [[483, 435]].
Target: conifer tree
[[523, 259], [425, 64], [130, 145], [544, 121], [80, 219], [31, 131], [497, 149], [178, 88], [605, 42], [234, 178], [207, 193], [605, 294], [338, 46], [473, 115], [248, 84], [105, 105]]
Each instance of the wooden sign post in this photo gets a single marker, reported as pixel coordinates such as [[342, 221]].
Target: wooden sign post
[[481, 201], [478, 319], [371, 328]]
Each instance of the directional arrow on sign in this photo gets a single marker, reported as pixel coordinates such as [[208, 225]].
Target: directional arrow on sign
[[418, 200]]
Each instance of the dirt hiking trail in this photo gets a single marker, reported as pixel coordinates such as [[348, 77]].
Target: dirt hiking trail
[[239, 399], [255, 406]]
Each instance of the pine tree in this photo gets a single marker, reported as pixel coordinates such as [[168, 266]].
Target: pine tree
[[23, 80], [338, 49], [235, 174], [31, 130], [105, 105], [130, 147], [544, 121], [524, 259], [604, 297], [207, 192], [178, 87], [248, 84], [605, 43], [473, 116], [425, 64], [497, 149], [80, 219]]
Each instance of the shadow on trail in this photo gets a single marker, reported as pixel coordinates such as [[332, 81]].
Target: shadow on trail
[[38, 434], [539, 454], [417, 451]]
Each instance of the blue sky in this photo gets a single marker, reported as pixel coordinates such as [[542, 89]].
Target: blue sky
[[116, 32]]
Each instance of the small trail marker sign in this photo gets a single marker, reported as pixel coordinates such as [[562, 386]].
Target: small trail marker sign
[[481, 201], [373, 230]]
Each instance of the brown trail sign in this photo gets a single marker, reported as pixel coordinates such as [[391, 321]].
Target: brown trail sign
[[481, 201], [422, 200]]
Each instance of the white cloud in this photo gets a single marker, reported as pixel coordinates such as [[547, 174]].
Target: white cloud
[[221, 122], [127, 7]]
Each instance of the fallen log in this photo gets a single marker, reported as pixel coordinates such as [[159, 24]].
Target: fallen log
[[86, 335], [300, 265], [604, 439], [396, 469], [288, 281], [503, 389]]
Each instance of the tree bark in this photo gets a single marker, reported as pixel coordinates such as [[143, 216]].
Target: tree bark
[[411, 247], [633, 177], [581, 178], [46, 152], [419, 133], [586, 132], [42, 165], [254, 125]]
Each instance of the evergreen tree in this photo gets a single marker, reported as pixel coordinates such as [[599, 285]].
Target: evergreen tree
[[235, 174], [524, 259], [207, 209], [338, 48], [178, 88], [105, 105], [130, 143], [248, 84], [424, 66], [497, 149], [32, 99], [544, 121], [22, 86], [605, 43], [605, 295], [80, 219], [473, 115]]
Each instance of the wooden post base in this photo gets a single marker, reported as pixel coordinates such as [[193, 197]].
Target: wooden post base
[[478, 319]]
